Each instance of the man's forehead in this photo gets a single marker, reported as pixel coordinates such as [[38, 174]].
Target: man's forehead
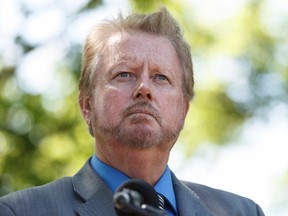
[[136, 47], [122, 36]]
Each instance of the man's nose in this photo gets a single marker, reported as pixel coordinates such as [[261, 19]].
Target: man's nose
[[143, 89]]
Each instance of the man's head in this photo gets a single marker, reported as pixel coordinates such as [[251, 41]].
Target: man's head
[[133, 89], [158, 23]]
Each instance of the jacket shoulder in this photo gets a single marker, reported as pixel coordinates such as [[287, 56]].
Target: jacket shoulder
[[34, 200], [222, 201]]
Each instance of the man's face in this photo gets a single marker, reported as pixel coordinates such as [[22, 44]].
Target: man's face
[[138, 99]]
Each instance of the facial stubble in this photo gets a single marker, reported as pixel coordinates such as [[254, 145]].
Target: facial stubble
[[139, 133]]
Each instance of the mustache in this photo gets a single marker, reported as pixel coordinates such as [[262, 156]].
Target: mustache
[[144, 107]]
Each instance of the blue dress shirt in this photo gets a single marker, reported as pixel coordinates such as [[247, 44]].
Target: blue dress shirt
[[114, 178]]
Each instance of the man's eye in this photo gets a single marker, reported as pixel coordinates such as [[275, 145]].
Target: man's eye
[[161, 77], [124, 74]]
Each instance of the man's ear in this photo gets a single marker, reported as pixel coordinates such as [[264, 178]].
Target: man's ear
[[84, 103]]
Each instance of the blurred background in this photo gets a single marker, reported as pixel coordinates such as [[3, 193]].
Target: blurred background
[[236, 132]]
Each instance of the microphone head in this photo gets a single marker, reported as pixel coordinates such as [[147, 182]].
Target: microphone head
[[146, 195], [146, 190]]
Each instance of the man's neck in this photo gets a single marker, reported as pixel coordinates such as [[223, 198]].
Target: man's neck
[[147, 164]]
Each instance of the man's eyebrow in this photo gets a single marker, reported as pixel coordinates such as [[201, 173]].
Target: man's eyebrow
[[122, 63], [132, 62]]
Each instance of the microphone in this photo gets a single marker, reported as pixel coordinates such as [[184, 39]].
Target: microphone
[[136, 197]]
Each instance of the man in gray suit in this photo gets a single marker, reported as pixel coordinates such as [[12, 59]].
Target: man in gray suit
[[135, 89]]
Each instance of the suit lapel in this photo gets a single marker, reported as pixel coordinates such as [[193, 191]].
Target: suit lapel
[[188, 202], [100, 204], [95, 194]]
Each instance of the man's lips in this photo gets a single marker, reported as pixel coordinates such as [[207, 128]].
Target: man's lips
[[142, 114], [142, 108], [146, 112]]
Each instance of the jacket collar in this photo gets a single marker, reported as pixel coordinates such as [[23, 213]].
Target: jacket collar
[[188, 203], [95, 194]]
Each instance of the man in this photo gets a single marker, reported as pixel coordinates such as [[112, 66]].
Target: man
[[135, 88]]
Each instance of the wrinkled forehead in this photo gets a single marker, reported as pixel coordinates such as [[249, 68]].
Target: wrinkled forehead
[[141, 46], [136, 37]]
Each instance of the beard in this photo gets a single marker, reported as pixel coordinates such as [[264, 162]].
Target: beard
[[140, 134]]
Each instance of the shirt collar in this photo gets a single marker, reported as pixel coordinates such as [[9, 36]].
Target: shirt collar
[[114, 178]]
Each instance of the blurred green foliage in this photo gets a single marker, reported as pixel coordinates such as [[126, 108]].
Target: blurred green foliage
[[43, 136]]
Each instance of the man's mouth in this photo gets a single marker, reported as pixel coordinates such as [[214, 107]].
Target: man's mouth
[[142, 109]]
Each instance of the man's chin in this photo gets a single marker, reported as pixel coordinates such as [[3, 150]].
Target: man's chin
[[141, 120], [140, 137]]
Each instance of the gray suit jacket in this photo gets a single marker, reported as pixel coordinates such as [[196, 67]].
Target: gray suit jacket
[[85, 194]]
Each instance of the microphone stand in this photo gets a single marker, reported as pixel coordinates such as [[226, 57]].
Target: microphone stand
[[143, 210], [137, 198], [153, 211], [124, 207]]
